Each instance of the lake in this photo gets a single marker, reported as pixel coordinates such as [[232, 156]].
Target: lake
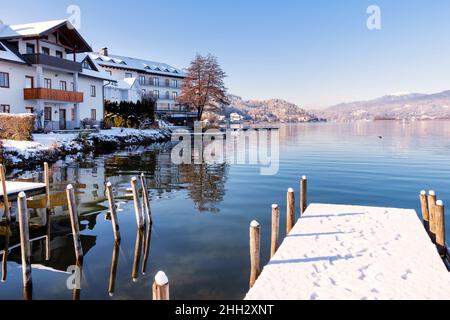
[[202, 212]]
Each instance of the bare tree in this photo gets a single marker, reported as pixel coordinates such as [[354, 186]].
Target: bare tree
[[204, 88]]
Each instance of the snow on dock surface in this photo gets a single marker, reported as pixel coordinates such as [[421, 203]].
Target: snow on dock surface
[[348, 252], [14, 188]]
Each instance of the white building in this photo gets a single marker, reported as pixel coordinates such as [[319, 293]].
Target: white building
[[42, 71], [158, 80]]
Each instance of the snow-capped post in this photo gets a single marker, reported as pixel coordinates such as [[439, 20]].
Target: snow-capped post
[[424, 209], [290, 211], [139, 220], [275, 229], [5, 194], [24, 239], [145, 199], [73, 211], [161, 287], [303, 195], [255, 252], [431, 211], [112, 209], [440, 227]]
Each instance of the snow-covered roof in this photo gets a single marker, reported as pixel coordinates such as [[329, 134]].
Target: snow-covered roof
[[30, 29], [126, 84], [137, 64], [99, 73], [7, 54]]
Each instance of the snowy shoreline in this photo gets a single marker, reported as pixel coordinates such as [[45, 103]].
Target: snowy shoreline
[[52, 147]]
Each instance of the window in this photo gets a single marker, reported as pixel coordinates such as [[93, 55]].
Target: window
[[156, 80], [59, 54], [142, 80], [29, 109], [63, 85], [5, 108], [30, 48], [128, 75], [167, 95], [174, 95], [72, 87], [167, 83], [4, 80], [175, 83], [156, 94], [93, 91], [46, 51], [48, 83], [29, 82], [48, 113], [72, 114], [87, 65], [94, 114]]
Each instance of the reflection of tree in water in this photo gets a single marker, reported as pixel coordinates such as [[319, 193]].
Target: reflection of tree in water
[[206, 184]]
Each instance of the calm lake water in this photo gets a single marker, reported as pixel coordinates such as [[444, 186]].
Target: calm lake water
[[202, 212]]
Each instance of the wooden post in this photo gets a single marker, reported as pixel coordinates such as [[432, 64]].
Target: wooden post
[[431, 211], [113, 272], [48, 227], [5, 194], [24, 239], [255, 252], [137, 255], [148, 237], [5, 259], [303, 195], [47, 183], [145, 199], [424, 208], [161, 287], [73, 211], [290, 211], [137, 210], [440, 227], [275, 229], [112, 209]]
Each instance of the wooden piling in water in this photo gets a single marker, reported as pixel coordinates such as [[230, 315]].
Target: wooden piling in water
[[113, 271], [112, 209], [440, 227], [5, 258], [5, 194], [290, 209], [73, 211], [137, 209], [24, 239], [303, 195], [255, 252], [161, 287], [47, 183], [145, 200], [275, 230], [424, 209], [431, 210]]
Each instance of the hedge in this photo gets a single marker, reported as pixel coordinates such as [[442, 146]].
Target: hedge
[[16, 126]]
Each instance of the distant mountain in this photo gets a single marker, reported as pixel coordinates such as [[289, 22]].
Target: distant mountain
[[396, 106], [274, 110]]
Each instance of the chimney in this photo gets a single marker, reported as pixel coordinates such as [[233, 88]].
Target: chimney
[[104, 51]]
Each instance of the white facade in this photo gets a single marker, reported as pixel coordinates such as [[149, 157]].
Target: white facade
[[42, 76]]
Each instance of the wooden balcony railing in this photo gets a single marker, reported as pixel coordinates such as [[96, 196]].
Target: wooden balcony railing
[[53, 95]]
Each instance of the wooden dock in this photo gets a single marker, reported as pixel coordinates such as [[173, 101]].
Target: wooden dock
[[350, 252], [14, 188]]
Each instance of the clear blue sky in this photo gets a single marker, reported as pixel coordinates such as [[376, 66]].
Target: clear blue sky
[[312, 52]]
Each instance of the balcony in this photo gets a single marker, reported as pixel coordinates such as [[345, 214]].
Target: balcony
[[53, 95], [51, 61]]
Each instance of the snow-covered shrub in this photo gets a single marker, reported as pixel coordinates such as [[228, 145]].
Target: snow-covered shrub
[[16, 126]]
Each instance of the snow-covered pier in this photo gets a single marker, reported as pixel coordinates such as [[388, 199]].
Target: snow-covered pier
[[351, 252]]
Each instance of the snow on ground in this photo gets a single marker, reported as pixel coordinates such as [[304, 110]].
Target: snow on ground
[[348, 252]]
